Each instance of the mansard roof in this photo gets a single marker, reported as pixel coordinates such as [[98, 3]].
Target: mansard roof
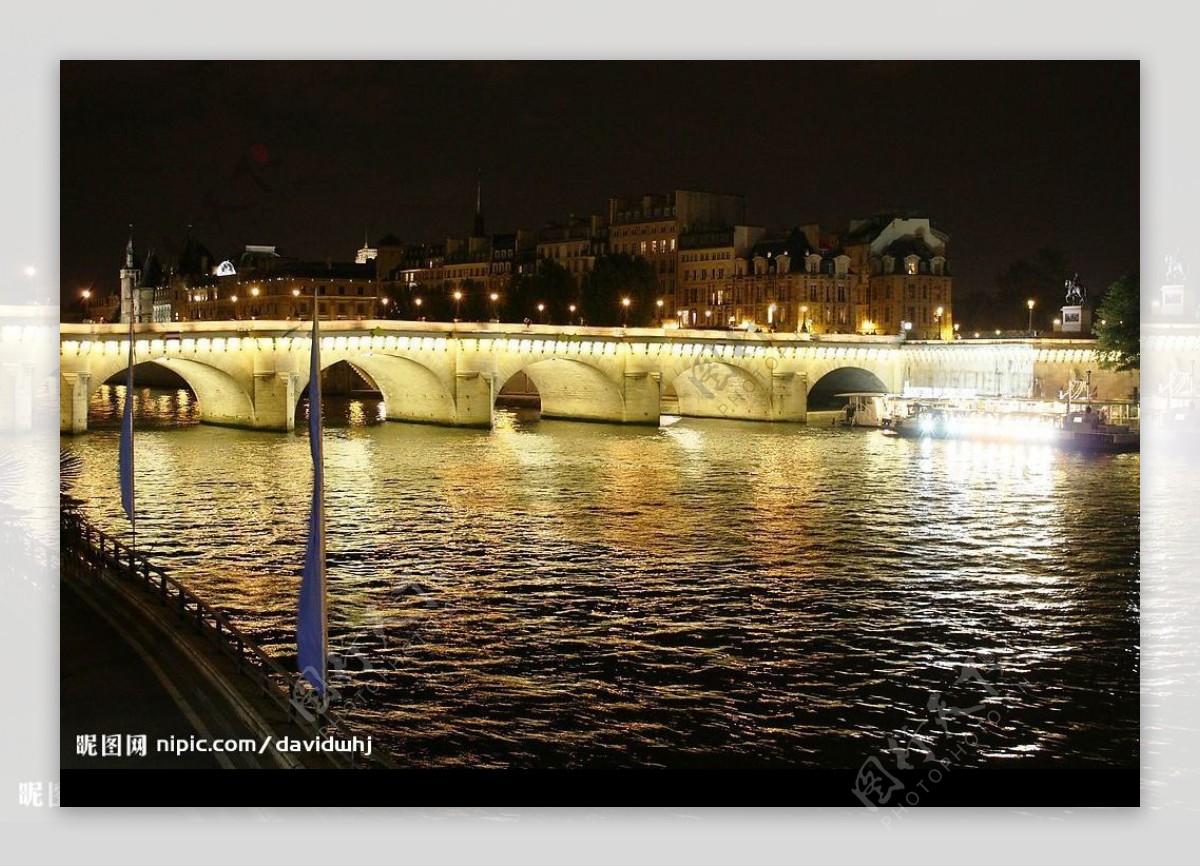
[[911, 246]]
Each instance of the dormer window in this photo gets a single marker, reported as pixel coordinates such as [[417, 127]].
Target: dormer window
[[910, 264]]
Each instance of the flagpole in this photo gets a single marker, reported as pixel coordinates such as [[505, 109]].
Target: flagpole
[[132, 487], [312, 623], [320, 453]]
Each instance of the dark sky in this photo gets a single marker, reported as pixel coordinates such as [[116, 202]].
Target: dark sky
[[1005, 156]]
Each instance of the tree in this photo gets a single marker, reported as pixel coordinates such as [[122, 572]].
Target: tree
[[550, 284], [1040, 278], [617, 276], [1117, 325]]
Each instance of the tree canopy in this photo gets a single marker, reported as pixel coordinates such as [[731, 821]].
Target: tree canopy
[[617, 276], [1040, 278], [1117, 325]]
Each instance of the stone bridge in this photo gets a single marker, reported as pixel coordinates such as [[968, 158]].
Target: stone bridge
[[252, 374]]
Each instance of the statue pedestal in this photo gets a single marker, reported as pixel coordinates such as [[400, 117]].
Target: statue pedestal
[[1172, 300], [1075, 319]]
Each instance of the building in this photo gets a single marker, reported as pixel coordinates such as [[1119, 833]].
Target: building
[[650, 227], [909, 284], [705, 273], [263, 285], [885, 275], [575, 244]]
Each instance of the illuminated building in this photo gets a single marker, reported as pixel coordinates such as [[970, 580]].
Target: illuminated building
[[650, 227]]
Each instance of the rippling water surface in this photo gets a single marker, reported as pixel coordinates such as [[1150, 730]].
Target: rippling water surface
[[704, 593]]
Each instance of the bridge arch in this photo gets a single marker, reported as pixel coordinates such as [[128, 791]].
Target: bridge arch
[[411, 391], [221, 398], [569, 388], [821, 394], [715, 388]]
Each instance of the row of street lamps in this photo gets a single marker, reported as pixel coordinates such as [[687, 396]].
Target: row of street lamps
[[626, 302]]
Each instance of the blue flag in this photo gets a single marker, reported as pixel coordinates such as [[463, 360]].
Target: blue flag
[[310, 625], [125, 456]]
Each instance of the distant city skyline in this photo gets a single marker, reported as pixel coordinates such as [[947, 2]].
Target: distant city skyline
[[1007, 157]]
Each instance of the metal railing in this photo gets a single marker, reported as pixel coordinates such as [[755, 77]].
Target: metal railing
[[92, 554]]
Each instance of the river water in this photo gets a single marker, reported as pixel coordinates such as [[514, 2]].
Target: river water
[[705, 593]]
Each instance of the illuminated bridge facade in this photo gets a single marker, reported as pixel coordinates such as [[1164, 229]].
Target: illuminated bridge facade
[[253, 374]]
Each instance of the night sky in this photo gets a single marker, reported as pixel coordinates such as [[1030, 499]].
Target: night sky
[[1006, 157]]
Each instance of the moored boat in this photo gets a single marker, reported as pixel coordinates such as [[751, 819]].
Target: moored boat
[[1085, 430]]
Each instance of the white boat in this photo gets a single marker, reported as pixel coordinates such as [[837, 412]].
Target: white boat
[[863, 409], [1085, 430]]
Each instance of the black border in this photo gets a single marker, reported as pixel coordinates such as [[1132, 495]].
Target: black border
[[949, 787]]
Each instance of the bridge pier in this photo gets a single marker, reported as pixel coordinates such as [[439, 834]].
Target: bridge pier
[[789, 397], [73, 395], [474, 395], [274, 401]]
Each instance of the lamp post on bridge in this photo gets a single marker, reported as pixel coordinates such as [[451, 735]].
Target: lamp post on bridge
[[495, 310], [87, 297], [1029, 304], [625, 312]]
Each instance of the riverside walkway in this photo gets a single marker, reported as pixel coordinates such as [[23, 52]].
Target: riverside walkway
[[141, 655]]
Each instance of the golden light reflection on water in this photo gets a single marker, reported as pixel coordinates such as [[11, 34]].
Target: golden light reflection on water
[[719, 589]]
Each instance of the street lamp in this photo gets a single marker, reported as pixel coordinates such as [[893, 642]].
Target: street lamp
[[571, 321], [87, 295], [937, 317], [541, 313], [233, 298], [804, 317], [495, 314], [457, 301], [1029, 304], [625, 311], [659, 305], [417, 301]]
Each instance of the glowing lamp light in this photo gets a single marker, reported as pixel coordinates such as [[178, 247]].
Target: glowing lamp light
[[254, 291], [494, 296], [87, 293], [31, 271], [417, 301], [233, 298], [624, 302], [457, 295], [296, 293]]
